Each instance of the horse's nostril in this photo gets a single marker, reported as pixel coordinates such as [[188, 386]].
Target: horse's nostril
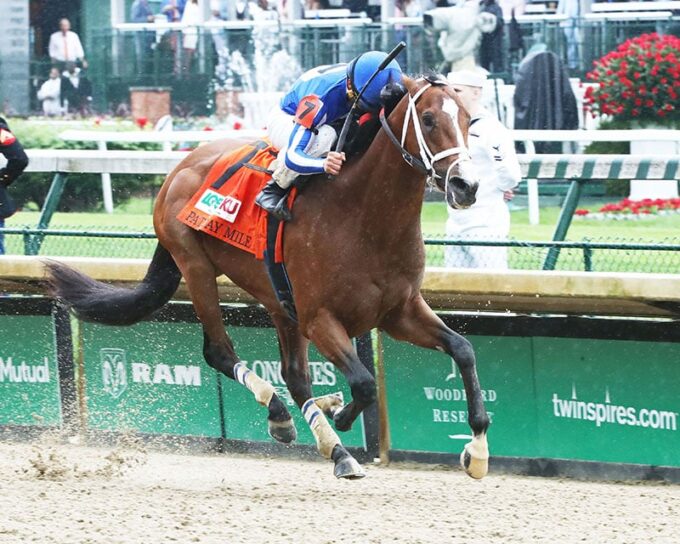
[[458, 183]]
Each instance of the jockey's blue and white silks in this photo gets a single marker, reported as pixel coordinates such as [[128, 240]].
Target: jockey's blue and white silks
[[329, 83]]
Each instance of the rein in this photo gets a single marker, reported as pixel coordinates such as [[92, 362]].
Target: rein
[[427, 159]]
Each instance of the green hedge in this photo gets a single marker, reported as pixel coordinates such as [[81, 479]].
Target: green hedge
[[83, 192]]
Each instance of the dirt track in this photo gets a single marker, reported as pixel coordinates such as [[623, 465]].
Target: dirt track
[[73, 494]]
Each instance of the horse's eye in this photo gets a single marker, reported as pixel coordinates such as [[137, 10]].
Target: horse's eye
[[428, 120]]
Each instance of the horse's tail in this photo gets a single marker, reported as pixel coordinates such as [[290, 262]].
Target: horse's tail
[[93, 300]]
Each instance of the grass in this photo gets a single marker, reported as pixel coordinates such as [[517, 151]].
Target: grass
[[135, 216]]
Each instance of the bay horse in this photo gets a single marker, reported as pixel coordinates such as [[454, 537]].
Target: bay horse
[[355, 258]]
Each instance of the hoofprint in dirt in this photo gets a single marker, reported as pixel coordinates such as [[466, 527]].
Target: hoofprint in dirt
[[73, 494]]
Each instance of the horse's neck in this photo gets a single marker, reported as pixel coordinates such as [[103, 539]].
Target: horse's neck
[[390, 191], [386, 184]]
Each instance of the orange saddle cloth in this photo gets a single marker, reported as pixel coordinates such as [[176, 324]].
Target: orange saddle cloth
[[224, 206]]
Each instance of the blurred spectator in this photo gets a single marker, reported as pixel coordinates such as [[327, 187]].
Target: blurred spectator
[[493, 154], [173, 10], [315, 5], [76, 90], [50, 94], [17, 161], [191, 16], [257, 10], [65, 45], [412, 8], [355, 6], [218, 12], [490, 50], [574, 10], [543, 98], [140, 12], [509, 5], [170, 41]]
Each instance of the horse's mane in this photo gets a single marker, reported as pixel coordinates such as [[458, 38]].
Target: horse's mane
[[361, 135]]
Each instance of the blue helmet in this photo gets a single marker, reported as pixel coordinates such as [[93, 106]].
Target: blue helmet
[[359, 72]]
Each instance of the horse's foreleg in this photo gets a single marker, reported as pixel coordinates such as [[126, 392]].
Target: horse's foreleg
[[218, 349], [418, 324], [295, 371], [332, 340]]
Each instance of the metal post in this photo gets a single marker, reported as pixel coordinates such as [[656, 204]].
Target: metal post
[[566, 215], [49, 207], [588, 259], [67, 383], [106, 183], [532, 198], [364, 347], [385, 439]]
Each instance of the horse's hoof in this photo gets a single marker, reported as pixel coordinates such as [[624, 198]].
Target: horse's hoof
[[476, 466], [341, 420], [282, 431], [346, 466], [330, 404]]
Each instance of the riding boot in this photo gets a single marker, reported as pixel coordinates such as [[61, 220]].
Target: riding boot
[[273, 199], [7, 205]]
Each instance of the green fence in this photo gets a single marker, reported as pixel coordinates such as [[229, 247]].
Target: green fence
[[30, 365], [578, 388], [602, 395], [152, 378], [594, 254]]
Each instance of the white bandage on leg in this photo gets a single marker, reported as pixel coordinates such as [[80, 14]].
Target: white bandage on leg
[[325, 436], [263, 391]]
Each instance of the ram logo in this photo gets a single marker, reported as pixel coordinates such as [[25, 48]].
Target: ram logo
[[114, 372]]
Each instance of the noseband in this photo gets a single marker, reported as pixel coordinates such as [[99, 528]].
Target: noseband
[[427, 158]]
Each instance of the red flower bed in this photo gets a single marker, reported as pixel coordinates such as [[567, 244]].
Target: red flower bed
[[638, 80], [646, 206]]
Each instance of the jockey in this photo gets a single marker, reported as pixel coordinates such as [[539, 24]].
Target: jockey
[[16, 163], [300, 127]]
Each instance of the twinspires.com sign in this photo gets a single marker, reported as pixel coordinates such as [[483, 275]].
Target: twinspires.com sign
[[569, 398], [29, 383]]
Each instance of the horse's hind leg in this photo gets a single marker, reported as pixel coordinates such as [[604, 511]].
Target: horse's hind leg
[[418, 324], [295, 371], [218, 349]]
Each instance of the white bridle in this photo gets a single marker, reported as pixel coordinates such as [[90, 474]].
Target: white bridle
[[426, 156]]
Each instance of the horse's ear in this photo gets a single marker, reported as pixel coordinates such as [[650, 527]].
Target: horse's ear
[[435, 78], [390, 95], [410, 84]]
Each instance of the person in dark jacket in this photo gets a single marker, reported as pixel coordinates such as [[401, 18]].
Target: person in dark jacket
[[544, 99], [490, 51], [17, 161]]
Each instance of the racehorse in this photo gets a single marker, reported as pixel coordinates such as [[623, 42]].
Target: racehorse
[[355, 258]]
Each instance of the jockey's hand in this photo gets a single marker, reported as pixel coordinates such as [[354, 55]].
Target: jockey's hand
[[333, 163]]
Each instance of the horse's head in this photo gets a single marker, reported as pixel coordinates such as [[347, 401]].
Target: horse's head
[[434, 138]]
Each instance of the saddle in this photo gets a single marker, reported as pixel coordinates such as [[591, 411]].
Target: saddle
[[224, 207]]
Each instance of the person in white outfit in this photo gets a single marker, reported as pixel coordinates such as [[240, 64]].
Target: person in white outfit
[[50, 94], [65, 45], [493, 154], [191, 16]]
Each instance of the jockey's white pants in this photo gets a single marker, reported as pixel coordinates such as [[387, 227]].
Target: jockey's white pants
[[279, 129]]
